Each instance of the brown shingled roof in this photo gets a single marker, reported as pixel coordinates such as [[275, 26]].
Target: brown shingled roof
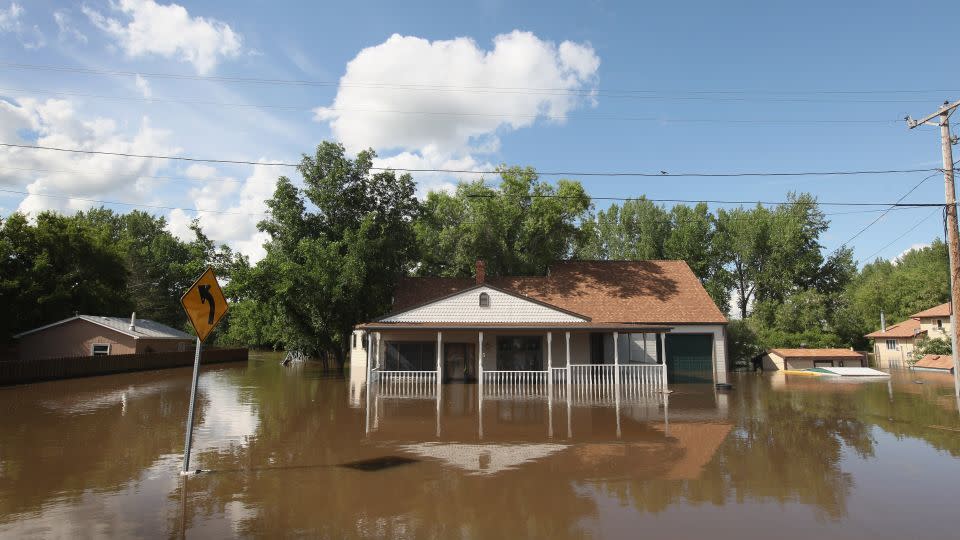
[[936, 361], [606, 291], [943, 310], [826, 354], [906, 329]]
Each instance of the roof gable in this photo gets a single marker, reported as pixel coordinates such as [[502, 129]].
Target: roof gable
[[504, 306]]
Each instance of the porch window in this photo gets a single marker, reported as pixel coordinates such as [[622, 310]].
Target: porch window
[[411, 356], [519, 353], [891, 344]]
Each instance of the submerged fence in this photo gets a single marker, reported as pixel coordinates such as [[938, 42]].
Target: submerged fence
[[45, 369]]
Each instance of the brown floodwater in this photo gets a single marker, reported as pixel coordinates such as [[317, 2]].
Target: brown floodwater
[[296, 452]]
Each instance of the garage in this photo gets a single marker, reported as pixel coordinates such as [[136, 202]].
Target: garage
[[690, 358]]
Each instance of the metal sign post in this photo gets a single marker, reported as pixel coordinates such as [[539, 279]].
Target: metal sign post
[[206, 306], [193, 400]]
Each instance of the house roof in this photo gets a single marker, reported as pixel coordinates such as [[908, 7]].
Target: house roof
[[935, 361], [144, 328], [943, 310], [656, 292], [817, 353], [905, 329]]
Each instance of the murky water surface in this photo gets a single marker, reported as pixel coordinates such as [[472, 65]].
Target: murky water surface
[[294, 452]]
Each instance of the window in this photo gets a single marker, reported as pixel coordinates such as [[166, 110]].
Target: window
[[519, 353], [484, 300], [181, 347], [940, 324], [411, 356], [891, 344], [354, 340], [100, 349]]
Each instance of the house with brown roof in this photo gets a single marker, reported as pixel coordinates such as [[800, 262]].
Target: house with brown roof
[[935, 362], [585, 322], [780, 359], [893, 346]]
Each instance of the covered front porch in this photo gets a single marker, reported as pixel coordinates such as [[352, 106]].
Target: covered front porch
[[512, 360]]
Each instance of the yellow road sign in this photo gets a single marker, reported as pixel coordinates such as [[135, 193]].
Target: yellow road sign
[[205, 304]]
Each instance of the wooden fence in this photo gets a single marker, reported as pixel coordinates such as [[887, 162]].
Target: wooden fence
[[45, 369]]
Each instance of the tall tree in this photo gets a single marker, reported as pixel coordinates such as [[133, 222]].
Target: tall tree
[[518, 228], [335, 263], [54, 268]]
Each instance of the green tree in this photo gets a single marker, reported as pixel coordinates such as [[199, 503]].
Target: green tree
[[54, 268], [335, 264], [518, 228], [927, 346]]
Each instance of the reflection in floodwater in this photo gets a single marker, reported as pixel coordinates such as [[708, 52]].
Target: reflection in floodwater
[[785, 456]]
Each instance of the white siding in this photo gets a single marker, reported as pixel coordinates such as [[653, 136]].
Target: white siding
[[465, 308]]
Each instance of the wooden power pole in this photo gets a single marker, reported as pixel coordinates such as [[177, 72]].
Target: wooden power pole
[[953, 236]]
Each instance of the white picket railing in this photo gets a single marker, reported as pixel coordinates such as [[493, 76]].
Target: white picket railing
[[514, 383], [642, 377], [413, 384]]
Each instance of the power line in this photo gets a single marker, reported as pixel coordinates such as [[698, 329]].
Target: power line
[[642, 93], [468, 171], [908, 231], [881, 216], [98, 201], [580, 115]]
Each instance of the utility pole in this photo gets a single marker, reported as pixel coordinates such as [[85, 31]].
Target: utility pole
[[953, 236]]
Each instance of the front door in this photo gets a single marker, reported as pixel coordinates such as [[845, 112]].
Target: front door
[[458, 362]]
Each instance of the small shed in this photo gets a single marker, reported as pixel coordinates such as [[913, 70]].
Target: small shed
[[94, 335], [935, 362], [777, 359]]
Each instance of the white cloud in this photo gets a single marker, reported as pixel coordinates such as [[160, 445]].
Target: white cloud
[[55, 123], [237, 226], [914, 247], [463, 122], [11, 21], [66, 30], [143, 86], [430, 158], [10, 18], [168, 31]]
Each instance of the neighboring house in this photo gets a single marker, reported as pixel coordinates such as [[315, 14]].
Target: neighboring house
[[893, 347], [92, 335], [778, 359], [935, 362], [613, 320]]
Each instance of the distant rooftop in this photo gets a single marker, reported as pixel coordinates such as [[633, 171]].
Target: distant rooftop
[[143, 328], [943, 310]]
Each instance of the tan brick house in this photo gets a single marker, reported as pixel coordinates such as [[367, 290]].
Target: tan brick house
[[93, 335]]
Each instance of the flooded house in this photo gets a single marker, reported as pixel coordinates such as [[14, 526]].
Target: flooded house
[[779, 359], [586, 324], [893, 346], [95, 335]]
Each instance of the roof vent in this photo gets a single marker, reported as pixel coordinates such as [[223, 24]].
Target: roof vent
[[133, 321]]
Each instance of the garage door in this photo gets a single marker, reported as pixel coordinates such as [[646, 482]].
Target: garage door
[[689, 358]]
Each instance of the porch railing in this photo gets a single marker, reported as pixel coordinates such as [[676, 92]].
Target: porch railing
[[407, 383], [514, 383]]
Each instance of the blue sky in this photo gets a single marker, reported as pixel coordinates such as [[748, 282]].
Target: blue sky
[[679, 86]]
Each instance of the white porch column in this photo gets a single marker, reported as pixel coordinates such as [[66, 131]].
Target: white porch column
[[439, 356], [616, 361], [550, 360], [663, 354], [480, 364], [369, 371], [377, 355], [568, 367]]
